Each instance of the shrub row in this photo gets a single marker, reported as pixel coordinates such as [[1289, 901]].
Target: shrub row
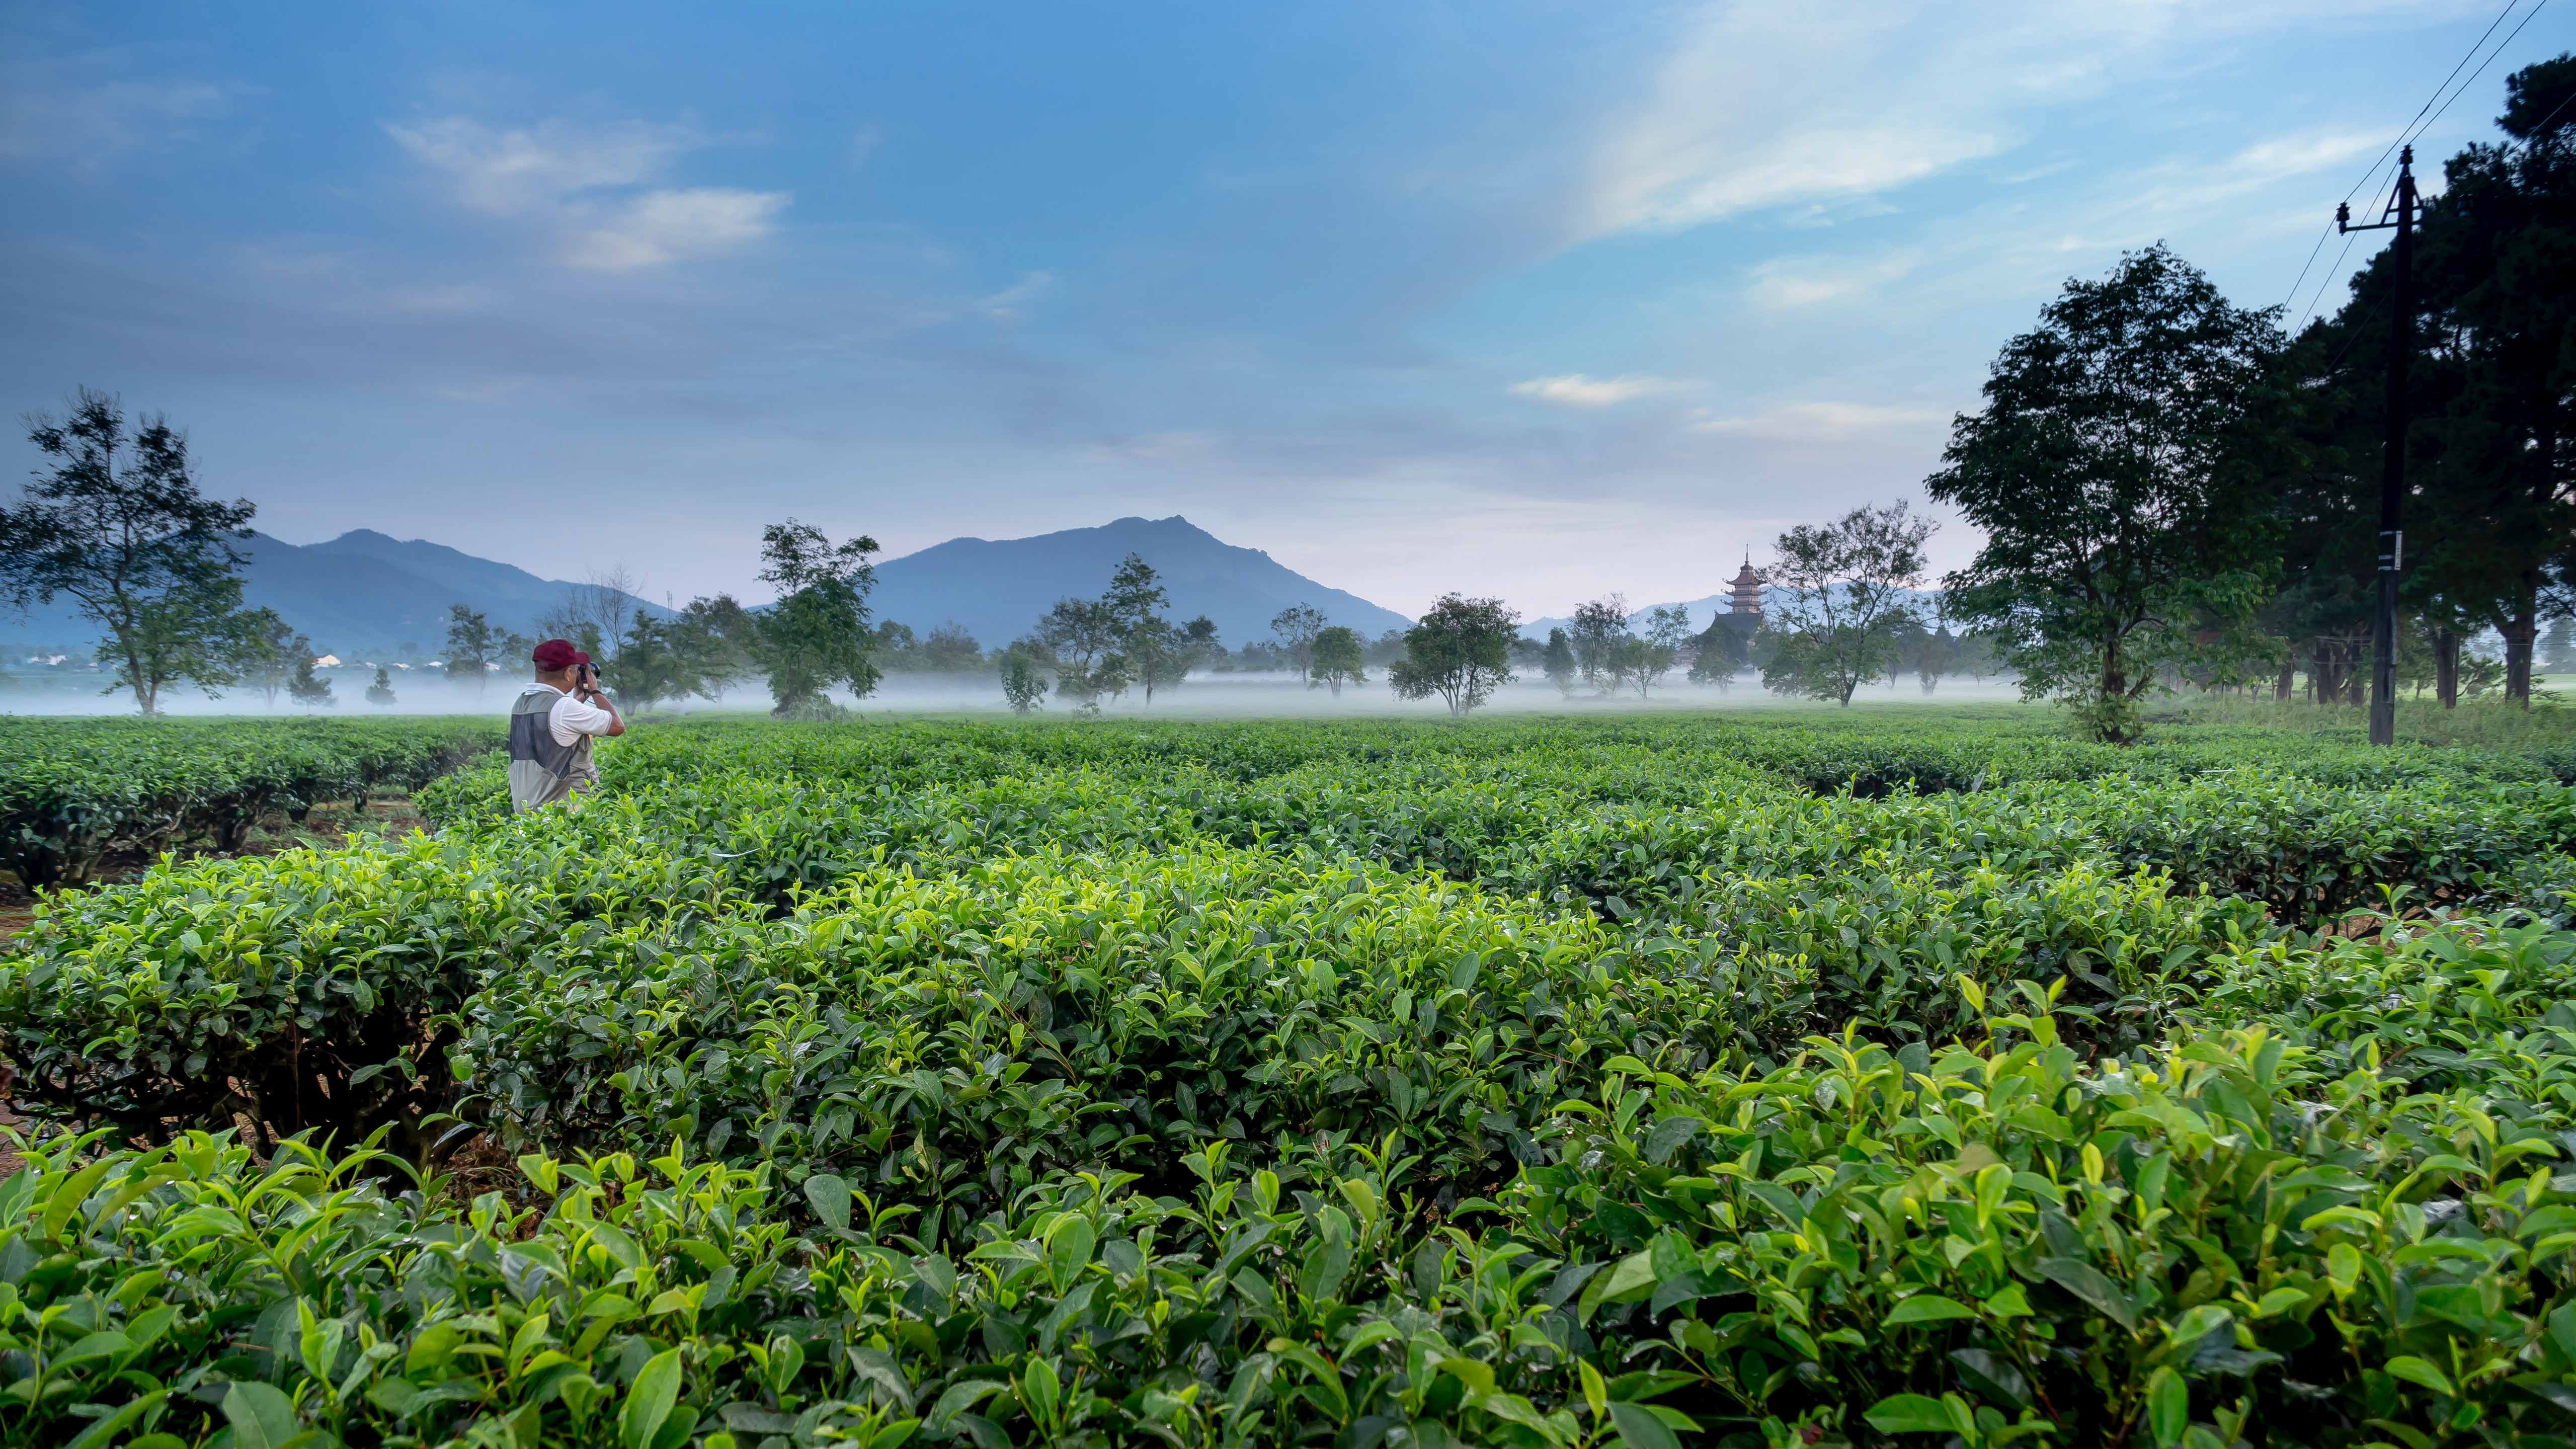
[[74, 792], [2220, 1241]]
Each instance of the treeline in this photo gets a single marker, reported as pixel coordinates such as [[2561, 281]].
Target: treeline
[[2174, 492]]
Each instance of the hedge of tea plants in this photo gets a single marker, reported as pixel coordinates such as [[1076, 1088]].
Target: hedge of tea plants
[[73, 792], [1647, 1082]]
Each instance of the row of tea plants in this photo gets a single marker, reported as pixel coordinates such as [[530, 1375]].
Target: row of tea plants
[[1634, 1082]]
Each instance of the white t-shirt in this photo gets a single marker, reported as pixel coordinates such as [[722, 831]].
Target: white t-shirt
[[572, 718]]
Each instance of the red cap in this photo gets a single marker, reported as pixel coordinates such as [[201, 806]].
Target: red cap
[[557, 654]]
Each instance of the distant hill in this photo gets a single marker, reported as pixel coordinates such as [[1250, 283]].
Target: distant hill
[[997, 589], [359, 594]]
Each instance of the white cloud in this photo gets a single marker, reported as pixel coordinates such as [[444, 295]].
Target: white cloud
[[512, 172], [578, 181], [1754, 106], [1822, 422], [1574, 390], [664, 226], [1805, 281]]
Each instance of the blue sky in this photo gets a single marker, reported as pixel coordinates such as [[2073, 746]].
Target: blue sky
[[1542, 300]]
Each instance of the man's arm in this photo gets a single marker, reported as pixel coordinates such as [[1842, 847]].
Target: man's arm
[[598, 699]]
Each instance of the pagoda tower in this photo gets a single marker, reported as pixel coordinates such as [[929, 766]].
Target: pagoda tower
[[1747, 592]]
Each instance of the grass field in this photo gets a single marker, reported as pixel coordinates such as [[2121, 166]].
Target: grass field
[[1770, 1077]]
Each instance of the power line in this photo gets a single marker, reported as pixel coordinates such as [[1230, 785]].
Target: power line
[[2482, 67], [2474, 47], [2366, 177]]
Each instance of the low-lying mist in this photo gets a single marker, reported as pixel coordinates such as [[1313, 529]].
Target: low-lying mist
[[1226, 695]]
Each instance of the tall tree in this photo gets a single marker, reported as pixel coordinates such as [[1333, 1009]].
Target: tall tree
[[1558, 663], [1718, 652], [1082, 638], [951, 650], [2498, 289], [1460, 651], [1339, 658], [304, 686], [269, 653], [2117, 473], [816, 635], [1667, 630], [700, 650], [1296, 627], [382, 691], [1843, 589], [1157, 655], [1024, 687], [117, 525], [473, 646], [1600, 636]]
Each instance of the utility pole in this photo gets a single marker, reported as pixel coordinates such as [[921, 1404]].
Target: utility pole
[[2392, 475]]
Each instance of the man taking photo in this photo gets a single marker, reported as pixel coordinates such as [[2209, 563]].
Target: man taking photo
[[552, 724]]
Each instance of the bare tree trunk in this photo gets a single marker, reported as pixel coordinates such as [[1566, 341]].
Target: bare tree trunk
[[2446, 667], [2519, 633], [2288, 679]]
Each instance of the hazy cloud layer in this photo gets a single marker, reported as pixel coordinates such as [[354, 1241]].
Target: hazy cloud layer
[[584, 185], [1556, 302]]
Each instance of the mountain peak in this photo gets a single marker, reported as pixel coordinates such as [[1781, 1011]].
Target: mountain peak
[[997, 589]]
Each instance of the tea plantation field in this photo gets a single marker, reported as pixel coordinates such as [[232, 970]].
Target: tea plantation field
[[1664, 1081]]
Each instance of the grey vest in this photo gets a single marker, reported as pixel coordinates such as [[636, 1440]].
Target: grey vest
[[541, 771]]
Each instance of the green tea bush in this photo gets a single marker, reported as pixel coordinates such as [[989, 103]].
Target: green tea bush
[[1557, 1084], [73, 791]]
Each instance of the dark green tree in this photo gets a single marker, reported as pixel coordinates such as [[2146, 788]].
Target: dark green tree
[[1339, 658], [382, 691], [1558, 663], [304, 686], [1154, 652], [951, 650], [1024, 685], [473, 646], [116, 524], [2117, 473], [1082, 638], [816, 636], [2491, 455], [1461, 651], [1718, 653]]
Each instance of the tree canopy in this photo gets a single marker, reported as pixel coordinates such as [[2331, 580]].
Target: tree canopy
[[816, 636], [2116, 472], [1461, 651], [117, 525], [1845, 588]]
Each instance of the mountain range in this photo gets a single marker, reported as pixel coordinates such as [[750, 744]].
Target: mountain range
[[360, 594], [364, 593], [997, 588]]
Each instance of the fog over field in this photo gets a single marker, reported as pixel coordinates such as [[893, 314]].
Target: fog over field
[[1205, 696]]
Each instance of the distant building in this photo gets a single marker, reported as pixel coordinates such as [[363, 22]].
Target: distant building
[[1744, 604]]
